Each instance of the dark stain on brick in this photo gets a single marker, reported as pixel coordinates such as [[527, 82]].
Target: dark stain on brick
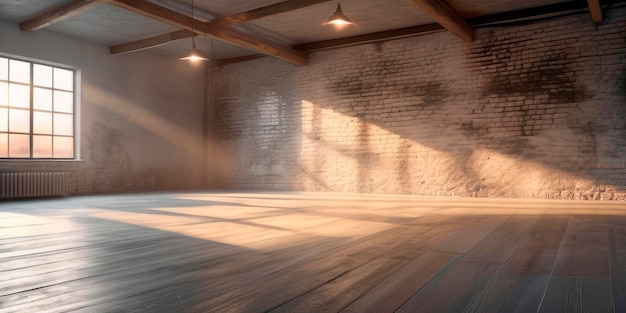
[[378, 46], [224, 116], [491, 53], [528, 83], [371, 79], [432, 93], [473, 130], [515, 146], [366, 78], [615, 116], [550, 76], [621, 91]]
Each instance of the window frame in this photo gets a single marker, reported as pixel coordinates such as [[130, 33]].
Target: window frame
[[75, 114]]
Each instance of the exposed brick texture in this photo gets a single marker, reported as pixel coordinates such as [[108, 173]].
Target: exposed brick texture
[[527, 111]]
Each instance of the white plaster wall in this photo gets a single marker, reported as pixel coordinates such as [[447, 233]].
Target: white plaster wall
[[141, 115]]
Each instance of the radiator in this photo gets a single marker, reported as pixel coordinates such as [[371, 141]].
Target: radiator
[[33, 184]]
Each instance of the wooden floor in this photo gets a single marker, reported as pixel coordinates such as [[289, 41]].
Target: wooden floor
[[308, 252]]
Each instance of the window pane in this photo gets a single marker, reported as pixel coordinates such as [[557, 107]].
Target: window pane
[[19, 96], [4, 120], [63, 79], [42, 99], [4, 145], [19, 146], [63, 124], [19, 121], [4, 68], [19, 71], [36, 110], [42, 146], [42, 123], [63, 102], [63, 147], [4, 94], [42, 75]]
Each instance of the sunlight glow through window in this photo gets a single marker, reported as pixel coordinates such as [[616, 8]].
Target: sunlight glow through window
[[36, 110]]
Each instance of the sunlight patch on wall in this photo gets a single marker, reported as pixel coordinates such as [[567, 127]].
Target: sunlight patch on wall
[[523, 178], [346, 154], [158, 125]]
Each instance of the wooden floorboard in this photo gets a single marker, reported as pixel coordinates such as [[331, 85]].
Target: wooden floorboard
[[584, 250], [340, 292], [451, 290], [393, 291], [617, 256], [310, 252], [525, 247], [573, 294]]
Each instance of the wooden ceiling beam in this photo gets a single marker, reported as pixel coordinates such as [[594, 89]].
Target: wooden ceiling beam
[[221, 62], [150, 42], [221, 32], [445, 15], [58, 14], [272, 9], [595, 10], [242, 17], [378, 36]]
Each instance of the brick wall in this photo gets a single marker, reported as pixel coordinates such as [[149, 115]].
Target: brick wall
[[529, 111]]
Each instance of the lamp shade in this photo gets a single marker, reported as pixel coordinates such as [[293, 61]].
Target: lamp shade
[[194, 54], [338, 18]]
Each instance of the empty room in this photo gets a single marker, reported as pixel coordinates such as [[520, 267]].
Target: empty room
[[312, 156]]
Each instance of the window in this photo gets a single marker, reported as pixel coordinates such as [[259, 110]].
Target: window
[[36, 110]]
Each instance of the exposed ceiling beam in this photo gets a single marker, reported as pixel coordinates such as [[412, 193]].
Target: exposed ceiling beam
[[221, 32], [67, 10], [272, 9], [237, 59], [445, 15], [359, 39], [542, 11], [150, 42], [242, 17], [595, 10]]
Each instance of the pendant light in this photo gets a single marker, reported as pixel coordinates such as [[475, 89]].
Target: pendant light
[[194, 54], [338, 18]]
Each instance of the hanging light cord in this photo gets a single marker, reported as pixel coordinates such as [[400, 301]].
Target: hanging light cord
[[193, 42]]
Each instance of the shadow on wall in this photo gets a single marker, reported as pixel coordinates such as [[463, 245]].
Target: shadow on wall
[[258, 151]]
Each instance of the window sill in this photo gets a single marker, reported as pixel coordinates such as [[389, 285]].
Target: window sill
[[40, 160]]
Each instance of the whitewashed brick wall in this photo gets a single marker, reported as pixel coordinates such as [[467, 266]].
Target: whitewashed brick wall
[[528, 111]]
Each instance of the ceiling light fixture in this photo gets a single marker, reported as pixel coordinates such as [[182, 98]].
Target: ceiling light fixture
[[194, 54], [338, 18]]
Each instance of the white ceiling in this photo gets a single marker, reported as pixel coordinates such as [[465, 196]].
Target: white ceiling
[[110, 25]]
